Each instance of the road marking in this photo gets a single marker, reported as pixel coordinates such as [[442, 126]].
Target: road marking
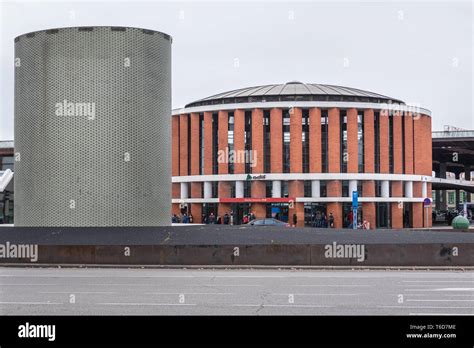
[[33, 303], [331, 285], [442, 289], [189, 293], [450, 314], [309, 294], [445, 300], [144, 304], [434, 307], [77, 292], [439, 281], [277, 305]]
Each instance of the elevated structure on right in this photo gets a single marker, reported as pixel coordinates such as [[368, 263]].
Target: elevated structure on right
[[453, 160]]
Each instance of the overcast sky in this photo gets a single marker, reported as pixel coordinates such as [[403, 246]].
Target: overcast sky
[[420, 52]]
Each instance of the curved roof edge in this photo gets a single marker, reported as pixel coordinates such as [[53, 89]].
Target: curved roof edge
[[295, 91]]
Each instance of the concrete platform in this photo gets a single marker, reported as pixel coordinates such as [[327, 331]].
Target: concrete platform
[[223, 235]]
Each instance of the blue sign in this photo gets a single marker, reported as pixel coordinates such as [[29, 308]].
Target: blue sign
[[355, 199]]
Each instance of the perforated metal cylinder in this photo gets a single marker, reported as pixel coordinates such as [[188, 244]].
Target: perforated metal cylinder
[[92, 127]]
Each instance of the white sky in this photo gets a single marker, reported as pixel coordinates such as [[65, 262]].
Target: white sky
[[420, 52]]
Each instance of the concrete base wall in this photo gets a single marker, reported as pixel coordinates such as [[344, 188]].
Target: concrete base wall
[[298, 255]]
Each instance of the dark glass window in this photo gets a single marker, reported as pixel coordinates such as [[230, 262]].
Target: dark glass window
[[307, 188], [390, 143], [324, 140], [189, 144], [248, 139], [343, 141], [7, 162], [305, 140], [247, 188], [268, 188], [360, 140], [286, 141], [215, 189], [266, 141], [215, 143], [323, 189], [345, 189], [403, 143], [284, 188], [230, 142], [201, 144], [377, 142]]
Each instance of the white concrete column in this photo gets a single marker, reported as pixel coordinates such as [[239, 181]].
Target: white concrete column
[[424, 189], [184, 190], [315, 188], [409, 189], [276, 188], [385, 189], [239, 189], [352, 187], [207, 189]]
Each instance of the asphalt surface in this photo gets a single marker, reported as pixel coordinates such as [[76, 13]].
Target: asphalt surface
[[53, 291], [222, 235]]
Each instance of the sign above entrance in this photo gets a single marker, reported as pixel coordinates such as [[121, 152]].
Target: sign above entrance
[[257, 200], [256, 177]]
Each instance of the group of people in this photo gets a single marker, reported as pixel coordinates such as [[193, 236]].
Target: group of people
[[320, 220], [184, 218], [226, 219]]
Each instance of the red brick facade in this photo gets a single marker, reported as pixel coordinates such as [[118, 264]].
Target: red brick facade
[[406, 151]]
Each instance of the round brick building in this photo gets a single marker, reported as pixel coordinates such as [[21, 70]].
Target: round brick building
[[299, 151]]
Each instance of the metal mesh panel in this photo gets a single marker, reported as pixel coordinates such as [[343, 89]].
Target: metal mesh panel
[[73, 168]]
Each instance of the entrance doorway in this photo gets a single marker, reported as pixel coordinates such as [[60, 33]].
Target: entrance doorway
[[278, 211]]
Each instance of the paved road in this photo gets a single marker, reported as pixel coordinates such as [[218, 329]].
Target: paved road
[[221, 235], [50, 291]]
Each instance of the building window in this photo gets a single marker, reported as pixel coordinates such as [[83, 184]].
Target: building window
[[286, 141], [390, 143], [201, 144], [324, 141], [323, 189], [345, 189], [248, 139], [376, 142], [247, 188], [360, 140], [189, 143], [230, 142], [268, 188], [266, 141], [403, 142], [284, 188], [451, 198], [305, 140], [378, 188], [7, 162], [343, 141], [215, 143], [215, 189], [307, 188]]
